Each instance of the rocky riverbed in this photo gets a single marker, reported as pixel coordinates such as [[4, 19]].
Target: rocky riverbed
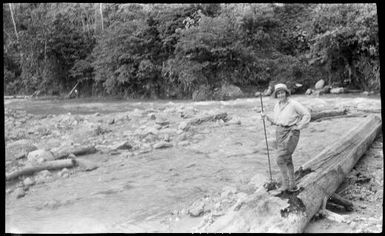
[[166, 166]]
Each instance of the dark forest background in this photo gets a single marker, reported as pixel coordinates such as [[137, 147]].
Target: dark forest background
[[172, 50]]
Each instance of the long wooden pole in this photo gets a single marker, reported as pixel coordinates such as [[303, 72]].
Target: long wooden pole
[[267, 144]]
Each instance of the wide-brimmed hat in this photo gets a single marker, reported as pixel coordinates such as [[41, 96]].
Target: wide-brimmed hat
[[278, 87]]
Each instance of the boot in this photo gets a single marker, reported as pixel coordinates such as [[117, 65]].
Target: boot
[[292, 185], [285, 179]]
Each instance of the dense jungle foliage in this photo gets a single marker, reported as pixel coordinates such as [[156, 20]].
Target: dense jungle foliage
[[171, 50]]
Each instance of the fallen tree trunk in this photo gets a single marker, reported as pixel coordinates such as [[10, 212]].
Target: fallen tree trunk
[[200, 120], [370, 110], [322, 114], [342, 116], [77, 151], [49, 165], [353, 91], [318, 179]]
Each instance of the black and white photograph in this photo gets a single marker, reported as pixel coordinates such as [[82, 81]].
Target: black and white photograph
[[192, 118]]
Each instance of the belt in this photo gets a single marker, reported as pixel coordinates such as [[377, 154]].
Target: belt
[[285, 126]]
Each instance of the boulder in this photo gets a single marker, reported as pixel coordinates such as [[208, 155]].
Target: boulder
[[309, 91], [19, 149], [337, 90], [197, 209], [19, 193], [201, 94], [40, 154], [320, 84], [268, 91], [227, 92]]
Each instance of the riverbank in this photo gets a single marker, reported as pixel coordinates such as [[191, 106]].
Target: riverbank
[[145, 188]]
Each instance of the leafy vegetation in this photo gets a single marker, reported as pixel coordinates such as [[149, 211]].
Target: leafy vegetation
[[171, 50]]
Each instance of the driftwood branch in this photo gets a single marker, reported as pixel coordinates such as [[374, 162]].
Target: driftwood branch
[[200, 120], [73, 89], [337, 199], [77, 151], [49, 165]]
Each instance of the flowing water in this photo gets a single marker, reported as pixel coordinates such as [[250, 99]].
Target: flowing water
[[138, 193]]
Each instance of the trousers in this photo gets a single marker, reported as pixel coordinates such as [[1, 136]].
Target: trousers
[[286, 140]]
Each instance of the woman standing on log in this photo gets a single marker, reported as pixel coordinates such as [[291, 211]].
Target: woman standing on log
[[290, 117]]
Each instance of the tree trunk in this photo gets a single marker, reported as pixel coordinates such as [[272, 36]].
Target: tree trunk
[[318, 179], [49, 165], [13, 20], [322, 114], [101, 14]]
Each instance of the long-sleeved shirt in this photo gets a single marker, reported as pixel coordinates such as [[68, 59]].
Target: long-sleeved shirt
[[291, 113]]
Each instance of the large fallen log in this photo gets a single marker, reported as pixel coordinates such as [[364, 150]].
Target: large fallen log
[[318, 179], [49, 165], [330, 113]]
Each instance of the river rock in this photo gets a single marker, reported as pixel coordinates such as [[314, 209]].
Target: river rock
[[320, 84], [227, 191], [162, 144], [123, 145], [160, 120], [19, 149], [40, 154], [197, 208], [309, 91], [43, 176], [28, 182], [183, 125], [65, 173], [337, 90], [19, 192], [227, 91], [184, 143], [202, 93], [182, 137]]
